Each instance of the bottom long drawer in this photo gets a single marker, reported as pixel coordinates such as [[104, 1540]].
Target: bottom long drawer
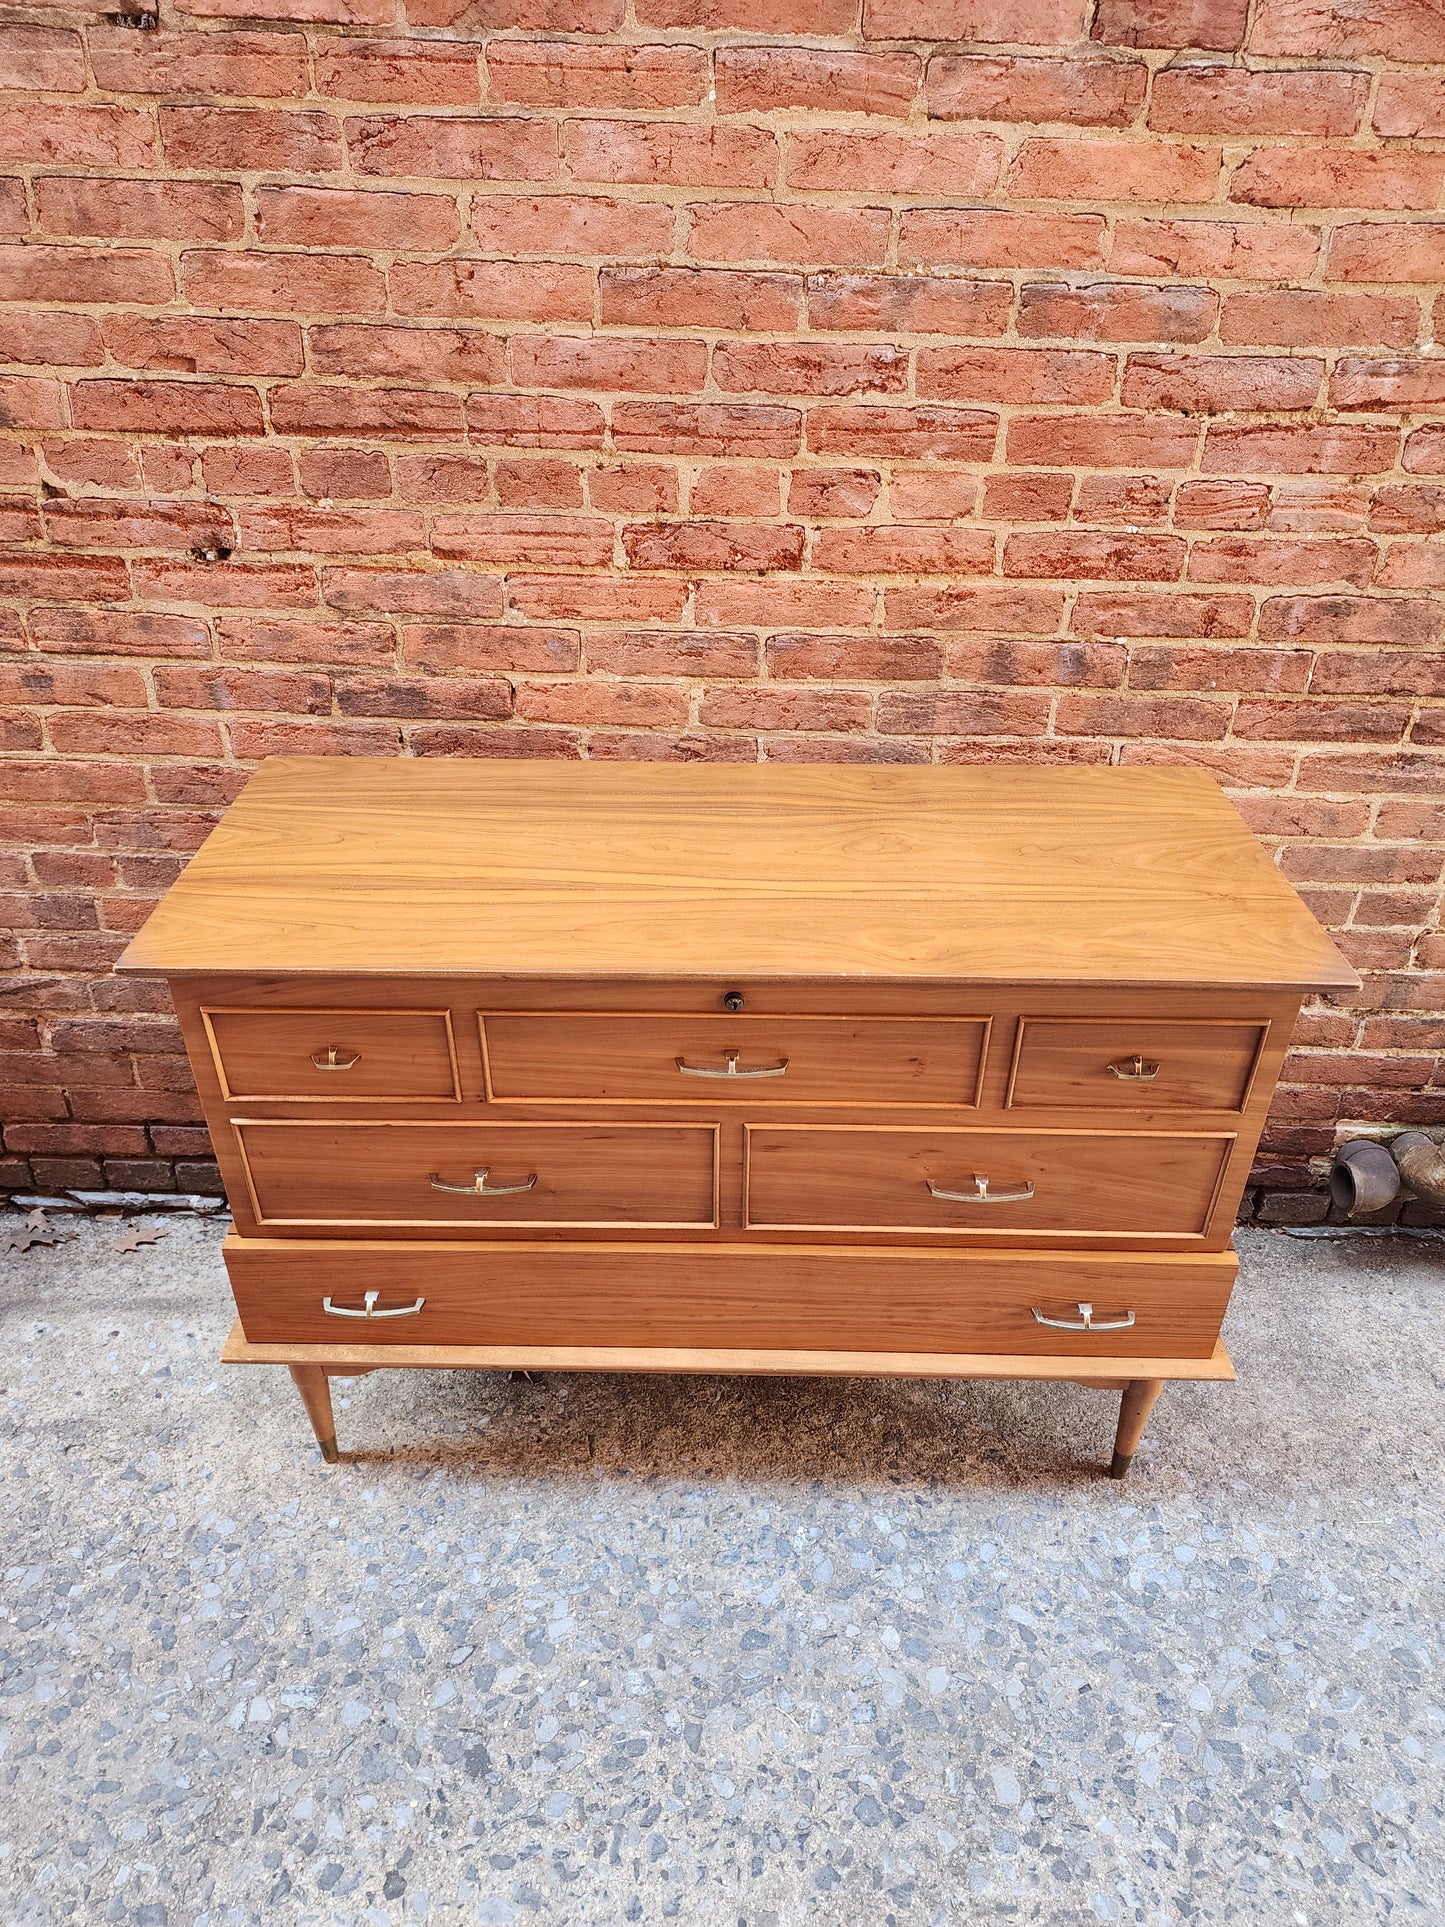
[[730, 1297]]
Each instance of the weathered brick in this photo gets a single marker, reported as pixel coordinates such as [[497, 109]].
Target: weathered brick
[[706, 428], [1233, 100], [888, 163], [748, 548], [761, 80], [571, 224], [791, 236], [879, 431], [336, 217], [1310, 318], [1109, 558], [1218, 25], [909, 304], [186, 344], [984, 238], [699, 298], [892, 549], [664, 153], [166, 407], [1273, 561], [1024, 87], [1344, 177], [535, 541], [1299, 449], [443, 648], [75, 136], [1085, 170], [1214, 250], [1031, 23], [735, 489], [1117, 311], [437, 147], [1410, 105], [272, 139], [286, 283], [646, 365], [423, 73], [931, 495], [1101, 441], [493, 290], [810, 368], [1015, 375], [139, 210], [71, 274], [562, 74], [1339, 619], [1222, 384], [1405, 30]]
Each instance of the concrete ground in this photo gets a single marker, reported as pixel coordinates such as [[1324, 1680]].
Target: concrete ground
[[731, 1653]]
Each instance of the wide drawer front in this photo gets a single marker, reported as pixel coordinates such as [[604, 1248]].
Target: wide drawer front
[[1114, 1064], [684, 1059], [808, 1177], [481, 1174], [730, 1298], [333, 1056]]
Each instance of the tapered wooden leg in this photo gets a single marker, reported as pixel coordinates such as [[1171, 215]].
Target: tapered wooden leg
[[1134, 1409], [311, 1382]]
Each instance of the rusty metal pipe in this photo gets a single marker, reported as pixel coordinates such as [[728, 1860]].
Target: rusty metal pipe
[[1363, 1177], [1421, 1163]]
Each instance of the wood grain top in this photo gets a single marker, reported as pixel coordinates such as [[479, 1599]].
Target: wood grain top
[[362, 866]]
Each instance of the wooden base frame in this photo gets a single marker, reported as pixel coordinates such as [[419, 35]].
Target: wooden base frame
[[312, 1367]]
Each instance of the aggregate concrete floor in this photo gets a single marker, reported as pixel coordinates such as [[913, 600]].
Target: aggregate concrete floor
[[731, 1653]]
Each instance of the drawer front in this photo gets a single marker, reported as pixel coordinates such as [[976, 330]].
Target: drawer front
[[754, 1060], [333, 1056], [812, 1177], [1110, 1064], [528, 1174], [722, 1297]]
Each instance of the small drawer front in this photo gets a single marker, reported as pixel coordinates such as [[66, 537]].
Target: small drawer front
[[815, 1177], [751, 1060], [836, 1303], [333, 1056], [481, 1174], [1112, 1065]]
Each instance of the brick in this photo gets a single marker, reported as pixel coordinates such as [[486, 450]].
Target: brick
[[1015, 375], [104, 632], [552, 598], [538, 483], [76, 685], [1218, 25], [1021, 87], [1117, 311], [646, 652], [667, 153], [1424, 452], [420, 73], [783, 605], [254, 741], [1222, 384], [762, 80], [642, 705], [633, 488], [776, 708], [975, 609], [94, 522], [891, 659], [71, 782], [336, 217], [438, 592], [543, 542], [1415, 509], [52, 578], [1101, 441], [1214, 250], [562, 74], [981, 238], [1308, 318], [1047, 665], [793, 235], [30, 403], [345, 644], [1347, 177], [57, 340], [195, 345], [1123, 501], [1026, 497], [75, 136], [493, 741], [931, 495], [288, 283], [1401, 29], [534, 421], [909, 304], [492, 290], [1233, 100], [1188, 718], [887, 163], [1270, 561], [706, 428], [166, 407], [947, 434], [450, 148], [810, 368], [407, 414], [736, 547], [439, 354], [232, 585], [656, 365], [698, 298], [75, 733], [1386, 384], [1360, 672], [962, 712], [265, 66], [1413, 566], [453, 698], [1297, 722], [47, 60], [443, 648], [571, 224], [274, 140], [248, 469], [69, 274], [139, 210], [1075, 170], [892, 549], [1173, 667], [1109, 558], [14, 216], [329, 475], [1410, 105], [735, 489], [1030, 23], [1330, 449], [760, 16], [823, 493], [331, 531], [214, 688], [1340, 619]]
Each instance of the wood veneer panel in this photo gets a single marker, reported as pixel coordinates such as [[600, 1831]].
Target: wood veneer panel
[[1197, 1066], [365, 1054]]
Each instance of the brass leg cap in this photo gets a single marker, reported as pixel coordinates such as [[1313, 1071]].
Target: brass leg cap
[[329, 1451], [1120, 1464]]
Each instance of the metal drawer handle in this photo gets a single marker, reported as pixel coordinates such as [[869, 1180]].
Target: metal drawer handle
[[479, 1188], [1136, 1071], [348, 1311], [732, 1056], [331, 1062], [981, 1193], [1086, 1321]]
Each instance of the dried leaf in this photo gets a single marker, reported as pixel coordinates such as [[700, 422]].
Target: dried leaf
[[133, 1240], [23, 1239]]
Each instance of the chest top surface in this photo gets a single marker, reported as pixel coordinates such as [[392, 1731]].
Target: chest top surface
[[485, 869]]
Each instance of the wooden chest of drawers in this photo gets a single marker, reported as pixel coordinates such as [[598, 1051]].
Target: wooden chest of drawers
[[795, 1069]]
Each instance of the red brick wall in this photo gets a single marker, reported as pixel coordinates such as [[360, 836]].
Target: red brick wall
[[715, 378]]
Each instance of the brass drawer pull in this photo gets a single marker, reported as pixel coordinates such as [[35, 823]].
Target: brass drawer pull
[[732, 1056], [370, 1298], [479, 1188], [1136, 1071], [332, 1062], [1086, 1321], [981, 1193]]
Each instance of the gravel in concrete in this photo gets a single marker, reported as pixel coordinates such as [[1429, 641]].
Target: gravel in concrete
[[731, 1653]]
